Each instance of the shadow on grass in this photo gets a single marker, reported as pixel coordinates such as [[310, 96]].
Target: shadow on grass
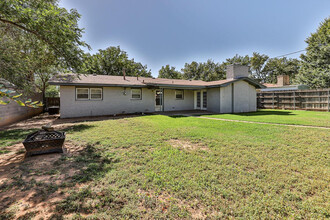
[[78, 128], [262, 113], [10, 137], [86, 166], [177, 116]]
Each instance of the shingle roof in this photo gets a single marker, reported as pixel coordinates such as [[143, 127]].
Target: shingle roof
[[270, 85], [109, 80]]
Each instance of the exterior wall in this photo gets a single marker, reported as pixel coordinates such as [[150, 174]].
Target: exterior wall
[[245, 97], [213, 100], [13, 112], [226, 99], [172, 104], [114, 102]]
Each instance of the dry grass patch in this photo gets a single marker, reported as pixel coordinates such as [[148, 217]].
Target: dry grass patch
[[166, 204], [187, 145]]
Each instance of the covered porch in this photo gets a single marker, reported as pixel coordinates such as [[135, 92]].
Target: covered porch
[[180, 99]]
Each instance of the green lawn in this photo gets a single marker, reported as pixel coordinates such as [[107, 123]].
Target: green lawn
[[185, 167], [294, 117]]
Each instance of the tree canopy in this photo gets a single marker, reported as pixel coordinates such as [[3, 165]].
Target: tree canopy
[[112, 61], [315, 69], [207, 71], [169, 72], [54, 26], [37, 39]]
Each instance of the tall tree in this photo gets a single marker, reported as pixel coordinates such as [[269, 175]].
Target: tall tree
[[315, 70], [54, 26], [258, 62], [280, 66], [112, 61], [169, 72], [37, 37], [207, 71], [243, 60]]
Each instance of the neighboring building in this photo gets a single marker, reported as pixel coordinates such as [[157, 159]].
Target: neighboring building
[[283, 83], [95, 95]]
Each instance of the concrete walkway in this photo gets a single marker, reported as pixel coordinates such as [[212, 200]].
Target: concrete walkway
[[263, 123]]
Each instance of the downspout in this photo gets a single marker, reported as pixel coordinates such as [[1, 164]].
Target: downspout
[[163, 94], [219, 99]]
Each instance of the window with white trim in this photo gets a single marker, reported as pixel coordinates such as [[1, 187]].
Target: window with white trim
[[136, 93], [179, 94], [89, 93], [95, 93], [82, 93]]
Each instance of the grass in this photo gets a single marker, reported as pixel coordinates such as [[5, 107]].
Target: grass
[[294, 117], [130, 169], [10, 137]]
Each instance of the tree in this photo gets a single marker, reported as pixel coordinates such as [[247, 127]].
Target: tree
[[258, 62], [112, 61], [315, 69], [207, 71], [243, 60], [267, 69], [54, 26], [280, 66], [37, 38], [8, 93], [169, 72]]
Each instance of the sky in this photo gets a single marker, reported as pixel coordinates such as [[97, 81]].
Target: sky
[[161, 32]]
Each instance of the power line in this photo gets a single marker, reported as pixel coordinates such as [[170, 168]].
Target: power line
[[290, 53]]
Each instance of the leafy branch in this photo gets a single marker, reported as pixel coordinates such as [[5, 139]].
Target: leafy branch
[[11, 95]]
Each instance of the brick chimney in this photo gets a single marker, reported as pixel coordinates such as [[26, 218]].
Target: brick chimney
[[235, 71], [283, 80]]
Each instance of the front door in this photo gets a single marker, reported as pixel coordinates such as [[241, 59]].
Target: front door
[[201, 99], [159, 100]]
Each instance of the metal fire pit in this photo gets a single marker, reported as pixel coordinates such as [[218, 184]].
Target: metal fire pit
[[42, 142]]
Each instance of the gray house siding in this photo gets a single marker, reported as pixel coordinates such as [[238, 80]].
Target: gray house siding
[[226, 99], [114, 102], [213, 100], [244, 100], [245, 97], [173, 104]]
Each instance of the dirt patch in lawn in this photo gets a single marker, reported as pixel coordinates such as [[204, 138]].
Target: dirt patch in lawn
[[187, 145], [172, 207], [60, 123], [31, 186]]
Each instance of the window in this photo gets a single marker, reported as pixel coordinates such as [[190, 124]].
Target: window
[[136, 94], [96, 93], [179, 94], [82, 93], [89, 94]]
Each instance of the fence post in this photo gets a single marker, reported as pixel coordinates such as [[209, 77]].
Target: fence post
[[273, 100], [328, 100], [294, 100]]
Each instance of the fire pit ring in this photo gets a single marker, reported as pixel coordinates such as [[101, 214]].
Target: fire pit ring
[[43, 141]]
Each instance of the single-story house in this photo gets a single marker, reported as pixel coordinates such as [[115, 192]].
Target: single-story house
[[95, 95]]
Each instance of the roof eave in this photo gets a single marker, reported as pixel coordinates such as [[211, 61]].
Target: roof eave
[[94, 84]]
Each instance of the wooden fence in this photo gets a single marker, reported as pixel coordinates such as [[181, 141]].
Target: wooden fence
[[52, 101], [314, 100]]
